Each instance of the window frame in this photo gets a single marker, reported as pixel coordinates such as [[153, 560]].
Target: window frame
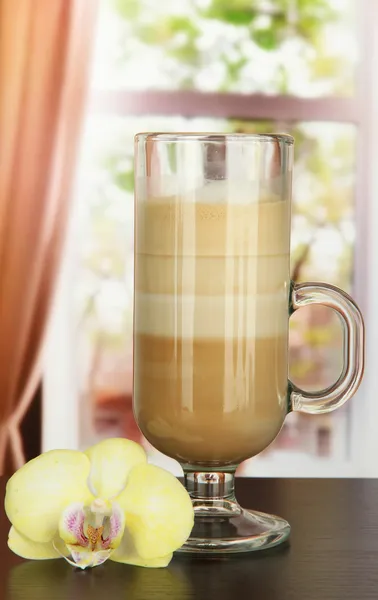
[[256, 107]]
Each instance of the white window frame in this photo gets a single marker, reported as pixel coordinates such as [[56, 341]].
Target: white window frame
[[61, 417]]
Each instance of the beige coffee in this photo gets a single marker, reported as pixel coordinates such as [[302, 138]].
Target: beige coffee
[[211, 326]]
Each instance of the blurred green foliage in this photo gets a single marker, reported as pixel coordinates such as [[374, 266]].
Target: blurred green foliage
[[179, 30]]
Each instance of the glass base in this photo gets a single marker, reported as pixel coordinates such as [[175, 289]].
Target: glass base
[[221, 526]]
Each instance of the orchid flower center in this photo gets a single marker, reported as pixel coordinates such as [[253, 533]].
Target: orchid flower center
[[91, 533], [99, 510]]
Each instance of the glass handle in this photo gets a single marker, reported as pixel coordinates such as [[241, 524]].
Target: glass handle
[[334, 396]]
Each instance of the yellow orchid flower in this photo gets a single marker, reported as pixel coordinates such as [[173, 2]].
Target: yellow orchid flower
[[104, 503]]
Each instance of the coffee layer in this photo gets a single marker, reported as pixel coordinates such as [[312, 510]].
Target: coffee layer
[[209, 400], [172, 228]]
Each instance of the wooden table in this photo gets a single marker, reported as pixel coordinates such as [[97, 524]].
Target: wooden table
[[333, 554]]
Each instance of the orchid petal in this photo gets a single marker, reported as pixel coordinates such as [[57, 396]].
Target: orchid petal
[[71, 525], [111, 462], [134, 559], [37, 493], [116, 527], [127, 554], [26, 548], [158, 509]]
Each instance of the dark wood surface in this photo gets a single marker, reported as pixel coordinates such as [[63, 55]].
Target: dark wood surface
[[333, 554]]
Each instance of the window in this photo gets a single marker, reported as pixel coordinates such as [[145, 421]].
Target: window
[[212, 65]]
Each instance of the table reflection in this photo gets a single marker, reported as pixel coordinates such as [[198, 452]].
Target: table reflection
[[47, 580]]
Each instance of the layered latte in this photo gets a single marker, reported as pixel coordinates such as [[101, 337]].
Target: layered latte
[[211, 325]]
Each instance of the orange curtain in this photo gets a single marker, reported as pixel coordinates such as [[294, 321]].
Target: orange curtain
[[44, 57]]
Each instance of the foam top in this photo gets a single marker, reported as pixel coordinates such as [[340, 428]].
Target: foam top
[[225, 191]]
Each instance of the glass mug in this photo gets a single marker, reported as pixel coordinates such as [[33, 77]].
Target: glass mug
[[213, 298]]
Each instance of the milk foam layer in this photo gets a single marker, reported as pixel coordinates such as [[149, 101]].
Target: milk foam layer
[[210, 275], [263, 315]]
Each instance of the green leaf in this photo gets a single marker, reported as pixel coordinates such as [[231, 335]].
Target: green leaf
[[128, 9], [239, 12], [187, 54], [178, 24], [125, 180], [233, 69], [266, 38], [320, 9], [237, 126], [164, 30]]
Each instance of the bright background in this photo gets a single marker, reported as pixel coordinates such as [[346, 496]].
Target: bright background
[[300, 66]]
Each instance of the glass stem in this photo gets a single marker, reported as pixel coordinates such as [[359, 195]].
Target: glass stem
[[214, 485]]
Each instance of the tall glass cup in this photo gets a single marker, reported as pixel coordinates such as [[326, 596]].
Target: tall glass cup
[[213, 298]]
